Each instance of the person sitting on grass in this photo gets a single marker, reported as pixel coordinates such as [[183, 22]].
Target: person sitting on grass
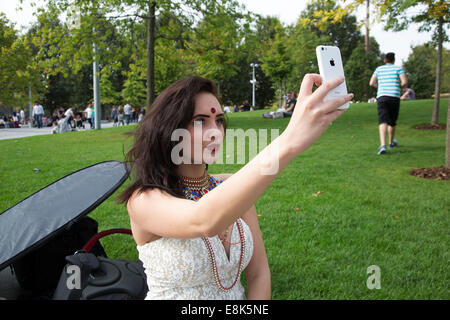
[[63, 124], [79, 120], [10, 122], [289, 104], [55, 128], [408, 94], [2, 123], [196, 232]]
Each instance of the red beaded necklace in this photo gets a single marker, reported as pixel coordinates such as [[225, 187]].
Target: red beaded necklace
[[204, 185], [214, 263]]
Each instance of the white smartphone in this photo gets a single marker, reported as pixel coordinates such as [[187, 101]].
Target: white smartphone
[[330, 66]]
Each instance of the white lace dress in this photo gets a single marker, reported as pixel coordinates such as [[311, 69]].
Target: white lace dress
[[180, 269]]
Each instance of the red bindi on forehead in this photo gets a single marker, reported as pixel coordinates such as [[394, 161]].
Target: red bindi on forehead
[[213, 110]]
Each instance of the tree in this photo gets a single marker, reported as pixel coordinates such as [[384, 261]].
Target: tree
[[302, 52], [172, 58], [15, 65], [276, 61], [109, 95], [255, 33], [64, 53], [97, 21], [134, 89], [332, 24], [74, 90], [420, 70], [447, 153], [217, 40], [187, 15], [359, 68]]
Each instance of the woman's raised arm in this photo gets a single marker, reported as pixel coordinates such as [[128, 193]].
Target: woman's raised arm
[[167, 216]]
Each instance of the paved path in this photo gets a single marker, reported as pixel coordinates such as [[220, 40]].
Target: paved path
[[29, 132]]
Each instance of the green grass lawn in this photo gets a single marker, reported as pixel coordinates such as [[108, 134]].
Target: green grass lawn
[[370, 211]]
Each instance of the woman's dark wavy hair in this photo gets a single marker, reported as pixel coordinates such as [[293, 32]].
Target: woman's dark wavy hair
[[149, 162]]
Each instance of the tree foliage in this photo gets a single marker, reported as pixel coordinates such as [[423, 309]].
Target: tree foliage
[[332, 24], [16, 73], [214, 39], [420, 69], [359, 68]]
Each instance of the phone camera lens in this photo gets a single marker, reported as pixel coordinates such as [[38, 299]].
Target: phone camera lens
[[322, 49]]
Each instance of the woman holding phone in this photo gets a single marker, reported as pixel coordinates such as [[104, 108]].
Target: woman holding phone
[[197, 232]]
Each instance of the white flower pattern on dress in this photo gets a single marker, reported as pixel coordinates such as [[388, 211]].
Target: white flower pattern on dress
[[180, 269]]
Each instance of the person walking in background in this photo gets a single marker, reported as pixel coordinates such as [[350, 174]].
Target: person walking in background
[[88, 112], [22, 117], [120, 116], [17, 115], [133, 115], [69, 114], [114, 116], [388, 78], [38, 112], [127, 111], [15, 120], [93, 115]]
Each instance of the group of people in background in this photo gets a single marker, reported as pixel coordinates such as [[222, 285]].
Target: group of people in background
[[126, 114], [286, 109], [245, 106], [14, 120], [70, 119]]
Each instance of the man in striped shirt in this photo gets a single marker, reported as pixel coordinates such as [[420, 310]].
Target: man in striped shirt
[[388, 78]]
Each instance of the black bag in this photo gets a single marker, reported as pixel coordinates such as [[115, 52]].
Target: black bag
[[38, 271], [88, 277], [37, 233]]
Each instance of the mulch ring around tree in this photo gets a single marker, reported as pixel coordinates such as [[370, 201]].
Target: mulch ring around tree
[[430, 127], [439, 173]]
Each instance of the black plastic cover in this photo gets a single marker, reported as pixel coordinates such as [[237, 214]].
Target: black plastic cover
[[44, 214]]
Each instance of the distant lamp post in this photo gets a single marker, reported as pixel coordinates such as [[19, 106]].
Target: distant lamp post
[[253, 82], [30, 107], [96, 87], [74, 21]]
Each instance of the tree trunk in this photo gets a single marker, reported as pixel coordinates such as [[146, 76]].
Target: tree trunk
[[367, 25], [437, 87], [151, 55], [447, 153]]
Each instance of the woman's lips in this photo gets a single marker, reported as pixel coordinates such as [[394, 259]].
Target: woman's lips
[[213, 146]]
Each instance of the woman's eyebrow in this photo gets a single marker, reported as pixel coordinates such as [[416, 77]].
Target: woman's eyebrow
[[207, 115]]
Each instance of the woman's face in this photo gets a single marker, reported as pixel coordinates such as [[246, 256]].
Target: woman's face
[[206, 129]]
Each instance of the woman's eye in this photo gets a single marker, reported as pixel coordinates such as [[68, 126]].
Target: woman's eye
[[220, 121]]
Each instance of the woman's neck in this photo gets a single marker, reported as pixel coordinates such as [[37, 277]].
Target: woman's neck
[[191, 170]]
